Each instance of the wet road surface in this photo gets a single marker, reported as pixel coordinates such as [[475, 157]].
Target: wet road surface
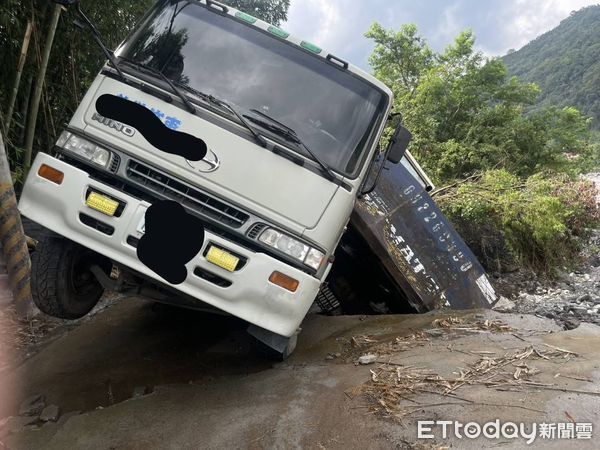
[[199, 383]]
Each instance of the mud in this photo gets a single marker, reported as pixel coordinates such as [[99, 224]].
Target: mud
[[198, 383]]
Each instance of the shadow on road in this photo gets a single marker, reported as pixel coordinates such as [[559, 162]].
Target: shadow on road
[[134, 347]]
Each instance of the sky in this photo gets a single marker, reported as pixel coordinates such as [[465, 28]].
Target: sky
[[499, 25]]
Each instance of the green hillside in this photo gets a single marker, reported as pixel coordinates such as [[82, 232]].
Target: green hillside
[[565, 63]]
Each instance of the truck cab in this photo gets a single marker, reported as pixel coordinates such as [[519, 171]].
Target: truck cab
[[217, 163]]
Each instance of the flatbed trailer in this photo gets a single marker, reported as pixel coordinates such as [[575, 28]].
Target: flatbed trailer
[[398, 230]]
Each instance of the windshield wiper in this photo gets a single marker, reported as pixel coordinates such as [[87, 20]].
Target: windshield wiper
[[223, 104], [275, 126], [290, 134], [143, 68]]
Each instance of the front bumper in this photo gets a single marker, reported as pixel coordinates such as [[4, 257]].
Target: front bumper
[[250, 296]]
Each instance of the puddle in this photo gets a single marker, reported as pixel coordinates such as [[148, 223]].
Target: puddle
[[137, 346]]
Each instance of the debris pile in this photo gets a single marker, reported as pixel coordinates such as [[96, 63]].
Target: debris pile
[[368, 346], [20, 332], [461, 324], [569, 300], [393, 387]]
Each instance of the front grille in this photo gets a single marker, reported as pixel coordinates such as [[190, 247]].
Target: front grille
[[189, 196]]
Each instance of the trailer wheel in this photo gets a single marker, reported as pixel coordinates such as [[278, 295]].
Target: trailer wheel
[[62, 284]]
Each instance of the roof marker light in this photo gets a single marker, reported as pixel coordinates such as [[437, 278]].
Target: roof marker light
[[310, 47], [245, 17], [278, 32]]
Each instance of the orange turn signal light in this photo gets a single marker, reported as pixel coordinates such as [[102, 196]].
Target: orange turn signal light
[[284, 281], [51, 174]]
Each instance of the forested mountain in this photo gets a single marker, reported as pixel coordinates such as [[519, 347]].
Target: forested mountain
[[565, 63]]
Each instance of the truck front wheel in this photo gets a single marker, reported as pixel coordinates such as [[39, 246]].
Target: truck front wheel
[[62, 284]]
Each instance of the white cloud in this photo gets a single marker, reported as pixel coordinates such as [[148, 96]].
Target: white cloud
[[325, 23], [532, 18], [449, 25], [339, 25]]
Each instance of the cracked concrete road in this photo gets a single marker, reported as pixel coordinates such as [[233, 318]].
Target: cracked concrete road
[[199, 384]]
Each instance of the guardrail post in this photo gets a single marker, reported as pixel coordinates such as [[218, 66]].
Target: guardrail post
[[13, 240]]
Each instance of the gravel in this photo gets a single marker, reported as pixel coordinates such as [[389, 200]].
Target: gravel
[[569, 299]]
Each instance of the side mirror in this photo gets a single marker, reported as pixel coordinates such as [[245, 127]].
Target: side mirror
[[65, 2], [398, 144]]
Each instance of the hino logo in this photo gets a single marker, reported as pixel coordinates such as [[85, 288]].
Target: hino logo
[[209, 163], [121, 127]]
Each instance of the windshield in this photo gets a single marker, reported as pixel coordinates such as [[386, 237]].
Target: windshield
[[332, 111]]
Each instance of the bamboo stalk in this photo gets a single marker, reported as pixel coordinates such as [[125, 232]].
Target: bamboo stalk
[[20, 66], [37, 93]]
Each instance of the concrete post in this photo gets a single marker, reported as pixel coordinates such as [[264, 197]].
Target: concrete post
[[13, 241]]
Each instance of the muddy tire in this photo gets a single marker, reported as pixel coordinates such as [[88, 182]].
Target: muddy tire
[[61, 283], [35, 230]]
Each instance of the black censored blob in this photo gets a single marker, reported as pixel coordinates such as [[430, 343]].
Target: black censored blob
[[151, 127], [173, 237]]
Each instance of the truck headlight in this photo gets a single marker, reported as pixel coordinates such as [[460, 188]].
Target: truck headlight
[[83, 148], [314, 258], [292, 247]]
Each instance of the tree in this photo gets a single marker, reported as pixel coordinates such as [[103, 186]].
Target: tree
[[271, 11], [399, 58], [465, 113]]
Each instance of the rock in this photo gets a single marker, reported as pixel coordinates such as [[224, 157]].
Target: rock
[[584, 298], [578, 309], [570, 323], [329, 357], [50, 413], [504, 304], [32, 406], [16, 423], [367, 359]]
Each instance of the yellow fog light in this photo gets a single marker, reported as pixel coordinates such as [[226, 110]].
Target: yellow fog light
[[102, 203], [221, 258]]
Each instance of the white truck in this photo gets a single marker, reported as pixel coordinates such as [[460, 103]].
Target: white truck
[[214, 163]]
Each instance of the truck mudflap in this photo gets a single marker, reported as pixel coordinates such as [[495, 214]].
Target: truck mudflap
[[416, 244]]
